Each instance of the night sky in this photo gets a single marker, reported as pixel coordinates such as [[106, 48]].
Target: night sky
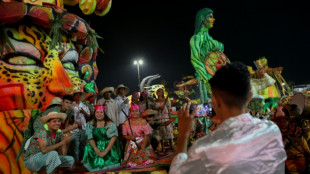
[[159, 33]]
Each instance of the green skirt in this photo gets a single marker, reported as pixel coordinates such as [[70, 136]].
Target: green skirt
[[94, 163]]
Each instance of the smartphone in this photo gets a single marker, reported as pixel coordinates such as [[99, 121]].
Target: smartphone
[[203, 109]]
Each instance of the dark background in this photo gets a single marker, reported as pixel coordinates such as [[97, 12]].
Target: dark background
[[159, 33]]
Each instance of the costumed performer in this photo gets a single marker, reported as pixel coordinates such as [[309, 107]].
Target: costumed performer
[[103, 150], [165, 129], [42, 152], [136, 131], [296, 146], [256, 104]]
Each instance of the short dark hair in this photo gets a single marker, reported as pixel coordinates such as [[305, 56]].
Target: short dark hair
[[68, 97], [232, 83]]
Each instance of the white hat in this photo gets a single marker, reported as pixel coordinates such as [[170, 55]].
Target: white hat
[[121, 86], [106, 89], [55, 101]]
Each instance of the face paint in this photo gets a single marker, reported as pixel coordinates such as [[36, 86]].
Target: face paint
[[208, 22]]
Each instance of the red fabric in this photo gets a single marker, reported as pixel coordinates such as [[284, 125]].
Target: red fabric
[[12, 12], [41, 16]]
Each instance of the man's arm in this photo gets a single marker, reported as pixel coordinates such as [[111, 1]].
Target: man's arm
[[44, 148], [185, 125], [74, 126], [181, 163], [85, 111], [121, 104]]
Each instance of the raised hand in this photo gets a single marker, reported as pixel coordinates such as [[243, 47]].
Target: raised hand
[[186, 120]]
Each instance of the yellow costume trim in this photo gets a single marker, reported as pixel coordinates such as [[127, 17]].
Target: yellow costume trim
[[46, 128]]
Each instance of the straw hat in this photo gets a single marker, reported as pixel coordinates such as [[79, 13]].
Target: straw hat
[[52, 115], [106, 89], [55, 101], [149, 112], [121, 86], [83, 94]]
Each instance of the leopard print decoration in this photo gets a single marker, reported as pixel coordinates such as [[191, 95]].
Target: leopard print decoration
[[34, 74]]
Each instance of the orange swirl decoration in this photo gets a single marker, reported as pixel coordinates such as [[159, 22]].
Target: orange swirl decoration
[[11, 124]]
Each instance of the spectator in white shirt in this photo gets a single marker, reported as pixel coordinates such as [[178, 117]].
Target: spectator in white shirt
[[81, 116], [241, 143], [123, 107], [122, 101], [111, 110]]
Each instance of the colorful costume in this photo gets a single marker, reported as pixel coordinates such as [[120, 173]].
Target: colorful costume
[[35, 159], [165, 132], [296, 146], [257, 102], [133, 155], [102, 137]]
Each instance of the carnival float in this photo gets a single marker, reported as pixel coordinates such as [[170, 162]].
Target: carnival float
[[45, 52]]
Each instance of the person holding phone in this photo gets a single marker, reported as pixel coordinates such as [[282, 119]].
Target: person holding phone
[[241, 143]]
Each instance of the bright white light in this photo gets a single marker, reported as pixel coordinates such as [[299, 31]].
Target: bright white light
[[283, 84], [135, 62], [140, 62]]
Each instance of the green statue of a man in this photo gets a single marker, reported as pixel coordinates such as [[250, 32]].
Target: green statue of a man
[[206, 53]]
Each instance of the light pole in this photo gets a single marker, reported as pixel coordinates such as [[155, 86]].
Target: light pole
[[138, 63]]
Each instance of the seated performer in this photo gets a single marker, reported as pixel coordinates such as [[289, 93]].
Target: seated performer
[[136, 131], [241, 143], [259, 83], [296, 147], [103, 150], [42, 152], [57, 105]]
